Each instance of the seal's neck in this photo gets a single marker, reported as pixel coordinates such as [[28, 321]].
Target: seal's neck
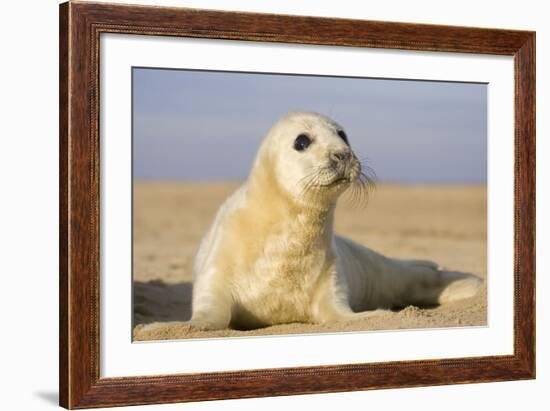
[[277, 205]]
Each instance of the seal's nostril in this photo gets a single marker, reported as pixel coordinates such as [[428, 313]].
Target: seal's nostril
[[341, 156]]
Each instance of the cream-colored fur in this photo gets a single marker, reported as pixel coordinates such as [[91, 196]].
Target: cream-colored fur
[[271, 255]]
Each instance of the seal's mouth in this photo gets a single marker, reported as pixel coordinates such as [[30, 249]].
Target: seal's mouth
[[333, 177], [336, 182], [339, 181]]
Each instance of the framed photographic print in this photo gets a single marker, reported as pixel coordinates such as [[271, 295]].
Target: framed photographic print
[[258, 205]]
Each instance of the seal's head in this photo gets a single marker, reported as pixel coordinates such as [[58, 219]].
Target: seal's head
[[310, 157]]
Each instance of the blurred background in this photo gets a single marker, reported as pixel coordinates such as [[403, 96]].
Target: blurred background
[[204, 125], [195, 135]]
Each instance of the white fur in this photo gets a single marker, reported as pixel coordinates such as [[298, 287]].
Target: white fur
[[271, 255]]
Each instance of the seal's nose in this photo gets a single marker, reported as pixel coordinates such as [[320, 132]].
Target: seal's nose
[[339, 156]]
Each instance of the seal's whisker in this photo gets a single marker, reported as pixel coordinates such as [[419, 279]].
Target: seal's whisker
[[358, 193], [311, 179], [355, 196]]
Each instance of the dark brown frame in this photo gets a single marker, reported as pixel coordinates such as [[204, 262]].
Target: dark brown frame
[[80, 27]]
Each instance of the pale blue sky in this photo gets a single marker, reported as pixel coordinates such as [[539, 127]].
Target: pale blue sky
[[201, 125]]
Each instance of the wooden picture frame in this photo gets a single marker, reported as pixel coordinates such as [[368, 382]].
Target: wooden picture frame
[[80, 27]]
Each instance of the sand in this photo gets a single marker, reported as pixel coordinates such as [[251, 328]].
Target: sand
[[445, 224]]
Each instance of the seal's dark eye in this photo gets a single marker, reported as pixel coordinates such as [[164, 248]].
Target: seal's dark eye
[[343, 136], [302, 142]]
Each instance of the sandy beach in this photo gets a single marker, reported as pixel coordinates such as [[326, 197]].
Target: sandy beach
[[445, 224]]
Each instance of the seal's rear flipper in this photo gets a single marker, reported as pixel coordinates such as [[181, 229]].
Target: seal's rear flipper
[[458, 286], [427, 284]]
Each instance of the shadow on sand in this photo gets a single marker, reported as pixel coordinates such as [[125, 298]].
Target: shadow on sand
[[159, 301]]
